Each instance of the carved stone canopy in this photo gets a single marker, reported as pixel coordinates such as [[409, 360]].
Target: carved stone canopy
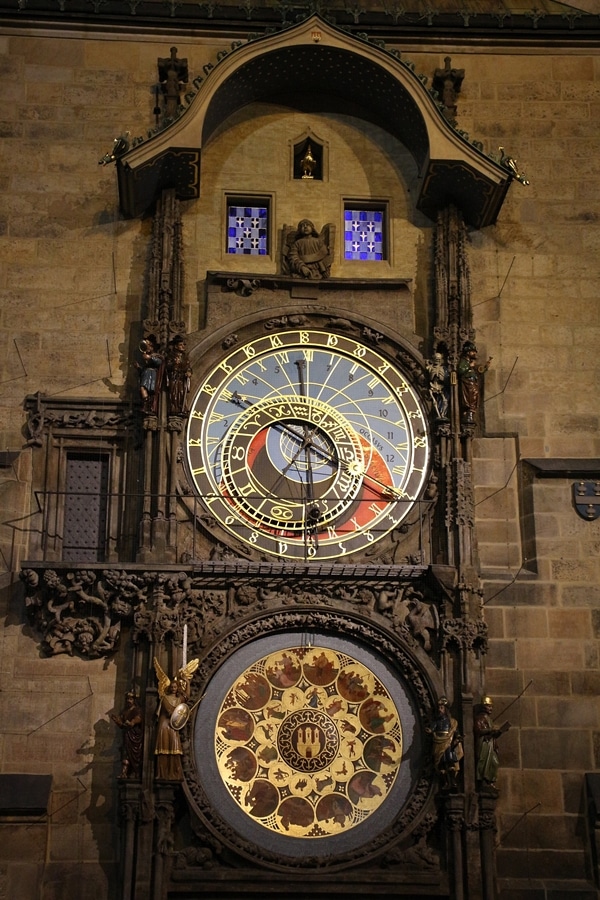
[[385, 90]]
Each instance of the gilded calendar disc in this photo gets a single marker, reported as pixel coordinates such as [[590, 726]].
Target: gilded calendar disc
[[308, 743]]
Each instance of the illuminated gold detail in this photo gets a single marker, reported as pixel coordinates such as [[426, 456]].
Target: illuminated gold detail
[[308, 742]]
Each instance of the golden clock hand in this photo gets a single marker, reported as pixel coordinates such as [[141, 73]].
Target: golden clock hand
[[355, 468]]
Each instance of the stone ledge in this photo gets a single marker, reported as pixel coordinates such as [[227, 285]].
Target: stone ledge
[[565, 467]]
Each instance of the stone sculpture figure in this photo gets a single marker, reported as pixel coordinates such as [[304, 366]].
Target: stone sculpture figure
[[131, 723], [178, 372], [486, 745], [172, 75], [306, 252]]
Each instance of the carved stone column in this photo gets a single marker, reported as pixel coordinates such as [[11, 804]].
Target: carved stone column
[[164, 808], [129, 803]]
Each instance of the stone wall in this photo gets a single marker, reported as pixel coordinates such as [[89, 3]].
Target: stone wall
[[72, 281]]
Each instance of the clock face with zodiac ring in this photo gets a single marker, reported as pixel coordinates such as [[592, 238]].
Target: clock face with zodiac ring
[[306, 444]]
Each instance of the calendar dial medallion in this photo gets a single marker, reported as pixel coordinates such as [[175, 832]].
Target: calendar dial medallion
[[307, 445]]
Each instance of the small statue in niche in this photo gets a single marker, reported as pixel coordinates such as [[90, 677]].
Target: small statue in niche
[[172, 694], [151, 371], [172, 75], [469, 378], [447, 744], [178, 373], [306, 252], [308, 164], [439, 385], [131, 722], [486, 743]]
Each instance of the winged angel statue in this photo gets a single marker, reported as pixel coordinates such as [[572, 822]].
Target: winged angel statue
[[173, 712], [307, 253]]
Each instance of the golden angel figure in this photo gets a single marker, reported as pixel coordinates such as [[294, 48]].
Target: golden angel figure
[[171, 693]]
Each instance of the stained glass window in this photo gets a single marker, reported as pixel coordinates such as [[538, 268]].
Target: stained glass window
[[247, 229], [364, 237]]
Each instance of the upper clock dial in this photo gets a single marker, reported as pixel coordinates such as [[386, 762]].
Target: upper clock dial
[[307, 444]]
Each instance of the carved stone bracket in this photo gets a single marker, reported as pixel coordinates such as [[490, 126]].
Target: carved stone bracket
[[465, 634], [76, 415]]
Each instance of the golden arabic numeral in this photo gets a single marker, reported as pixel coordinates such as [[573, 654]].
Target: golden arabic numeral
[[420, 442], [249, 351], [253, 537], [207, 389], [282, 548], [383, 368], [226, 368], [402, 388], [332, 340], [197, 415], [275, 341], [359, 351], [194, 442], [304, 339]]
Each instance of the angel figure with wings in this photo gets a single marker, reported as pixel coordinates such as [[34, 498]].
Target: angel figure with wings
[[171, 693], [306, 253]]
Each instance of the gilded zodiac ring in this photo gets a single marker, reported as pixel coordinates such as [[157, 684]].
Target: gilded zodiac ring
[[308, 742]]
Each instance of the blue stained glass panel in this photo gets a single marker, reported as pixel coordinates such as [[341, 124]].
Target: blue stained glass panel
[[363, 234], [247, 230]]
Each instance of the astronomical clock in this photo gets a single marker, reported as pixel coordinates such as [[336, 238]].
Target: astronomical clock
[[307, 444], [307, 467]]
